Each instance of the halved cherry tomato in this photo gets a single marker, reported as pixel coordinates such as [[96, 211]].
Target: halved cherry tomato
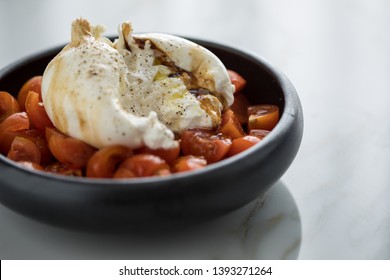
[[143, 165], [259, 133], [8, 105], [23, 149], [104, 162], [198, 142], [169, 155], [241, 144], [188, 163], [237, 80], [15, 122], [68, 150], [7, 137], [31, 165], [240, 108], [36, 112], [33, 84], [263, 117], [60, 168], [230, 126], [40, 140]]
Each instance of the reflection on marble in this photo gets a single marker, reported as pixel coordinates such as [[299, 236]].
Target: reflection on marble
[[267, 228]]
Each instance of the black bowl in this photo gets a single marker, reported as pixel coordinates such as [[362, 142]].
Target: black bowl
[[181, 198]]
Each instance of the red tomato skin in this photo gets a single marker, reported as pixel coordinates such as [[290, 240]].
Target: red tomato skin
[[36, 112], [33, 84], [230, 125], [263, 116], [23, 149], [15, 122], [237, 80], [144, 165], [259, 133], [104, 162], [123, 173], [70, 151], [6, 138], [169, 155], [240, 108], [198, 142], [39, 139], [8, 105], [241, 144], [62, 169], [188, 163]]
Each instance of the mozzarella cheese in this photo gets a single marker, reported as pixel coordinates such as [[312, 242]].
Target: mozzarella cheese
[[138, 90]]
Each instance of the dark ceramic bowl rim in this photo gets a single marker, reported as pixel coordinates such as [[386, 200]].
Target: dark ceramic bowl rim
[[286, 120]]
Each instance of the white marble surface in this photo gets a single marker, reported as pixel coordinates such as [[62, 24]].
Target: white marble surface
[[257, 231], [334, 201]]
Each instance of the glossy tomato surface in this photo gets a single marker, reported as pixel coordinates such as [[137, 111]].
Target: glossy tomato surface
[[203, 194]]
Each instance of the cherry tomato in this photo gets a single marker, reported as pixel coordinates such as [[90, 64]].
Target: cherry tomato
[[143, 165], [213, 147], [230, 126], [240, 108], [263, 117], [8, 105], [36, 112], [63, 169], [68, 150], [23, 149], [6, 138], [242, 143], [123, 173], [15, 122], [169, 155], [259, 133], [33, 84], [188, 163], [39, 139], [105, 161], [237, 80]]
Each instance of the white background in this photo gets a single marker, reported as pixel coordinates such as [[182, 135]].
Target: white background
[[281, 270]]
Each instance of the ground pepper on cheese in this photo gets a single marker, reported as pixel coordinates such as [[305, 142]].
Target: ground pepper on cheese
[[137, 91]]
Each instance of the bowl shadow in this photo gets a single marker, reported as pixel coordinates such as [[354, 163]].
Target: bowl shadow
[[267, 228]]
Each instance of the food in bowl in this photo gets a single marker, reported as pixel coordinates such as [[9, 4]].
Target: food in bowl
[[154, 201], [143, 105]]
